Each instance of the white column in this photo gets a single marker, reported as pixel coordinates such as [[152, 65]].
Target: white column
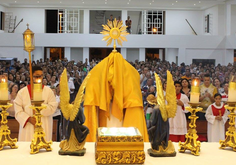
[[229, 56], [171, 54], [181, 55], [124, 15], [161, 54], [86, 21], [142, 54], [68, 53], [85, 54], [144, 21], [39, 53], [124, 52], [228, 18], [47, 53]]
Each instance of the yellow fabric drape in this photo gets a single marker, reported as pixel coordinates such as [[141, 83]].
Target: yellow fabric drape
[[114, 79]]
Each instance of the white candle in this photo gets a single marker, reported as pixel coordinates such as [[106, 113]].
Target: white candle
[[194, 95], [3, 90], [232, 92], [37, 93]]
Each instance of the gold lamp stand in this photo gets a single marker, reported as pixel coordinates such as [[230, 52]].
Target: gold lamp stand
[[191, 142], [230, 140], [5, 139], [39, 141]]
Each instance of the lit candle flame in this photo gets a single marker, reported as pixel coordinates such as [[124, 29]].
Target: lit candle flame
[[38, 81], [195, 83], [3, 80]]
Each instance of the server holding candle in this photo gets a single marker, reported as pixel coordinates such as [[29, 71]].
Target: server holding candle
[[23, 112], [216, 116]]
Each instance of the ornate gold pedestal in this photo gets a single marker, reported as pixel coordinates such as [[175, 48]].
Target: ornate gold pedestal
[[115, 146], [39, 136], [191, 142], [230, 140], [5, 139]]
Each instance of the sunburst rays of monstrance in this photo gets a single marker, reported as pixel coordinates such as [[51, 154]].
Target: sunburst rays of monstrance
[[114, 30]]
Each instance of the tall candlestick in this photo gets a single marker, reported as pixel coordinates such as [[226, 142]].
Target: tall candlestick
[[3, 89], [37, 93], [195, 92], [232, 92]]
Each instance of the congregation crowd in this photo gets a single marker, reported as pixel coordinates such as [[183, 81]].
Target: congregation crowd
[[213, 89]]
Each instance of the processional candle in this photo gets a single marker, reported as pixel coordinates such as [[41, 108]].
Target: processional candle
[[195, 92], [232, 92], [3, 88], [37, 92]]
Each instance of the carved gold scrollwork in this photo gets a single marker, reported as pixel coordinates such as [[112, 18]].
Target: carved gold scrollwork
[[120, 157]]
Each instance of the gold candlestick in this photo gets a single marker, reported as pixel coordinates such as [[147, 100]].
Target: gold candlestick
[[5, 139], [230, 140], [191, 142], [39, 141]]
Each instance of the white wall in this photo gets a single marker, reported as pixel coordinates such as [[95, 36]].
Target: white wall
[[2, 8], [134, 17], [221, 20], [132, 54], [218, 54], [77, 54], [16, 52], [38, 53], [214, 12], [171, 54], [233, 19], [35, 17], [177, 25]]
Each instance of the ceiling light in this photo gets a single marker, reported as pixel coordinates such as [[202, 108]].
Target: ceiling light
[[176, 1], [83, 2], [199, 2], [127, 3], [172, 4], [150, 3], [105, 2], [60, 2], [15, 1], [37, 1], [194, 4]]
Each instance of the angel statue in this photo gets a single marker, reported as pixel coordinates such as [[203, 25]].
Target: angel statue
[[76, 132], [164, 108]]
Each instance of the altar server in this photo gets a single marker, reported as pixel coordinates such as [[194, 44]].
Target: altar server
[[24, 114], [216, 116], [178, 124]]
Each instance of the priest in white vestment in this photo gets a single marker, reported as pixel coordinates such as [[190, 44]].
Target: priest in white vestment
[[24, 114], [216, 116]]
